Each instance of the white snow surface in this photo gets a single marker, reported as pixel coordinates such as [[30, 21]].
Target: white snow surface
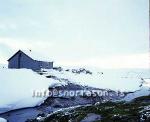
[[17, 86], [146, 83], [143, 91], [114, 79], [3, 120]]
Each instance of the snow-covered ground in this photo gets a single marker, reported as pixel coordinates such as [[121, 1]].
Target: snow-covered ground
[[143, 91], [3, 120], [114, 79], [17, 86], [129, 80]]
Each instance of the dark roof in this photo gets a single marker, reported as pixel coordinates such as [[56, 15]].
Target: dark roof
[[19, 51]]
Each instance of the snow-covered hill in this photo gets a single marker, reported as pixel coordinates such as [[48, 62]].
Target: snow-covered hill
[[135, 81], [17, 86], [114, 79], [143, 91]]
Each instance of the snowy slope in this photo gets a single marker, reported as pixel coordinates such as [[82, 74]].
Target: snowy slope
[[17, 86], [146, 83], [3, 120], [143, 91], [124, 80]]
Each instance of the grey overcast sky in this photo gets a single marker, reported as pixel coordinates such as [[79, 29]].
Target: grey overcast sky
[[101, 33]]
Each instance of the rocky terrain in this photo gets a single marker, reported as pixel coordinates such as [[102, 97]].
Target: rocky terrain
[[137, 110]]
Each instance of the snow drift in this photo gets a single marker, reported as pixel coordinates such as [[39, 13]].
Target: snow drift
[[17, 86]]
